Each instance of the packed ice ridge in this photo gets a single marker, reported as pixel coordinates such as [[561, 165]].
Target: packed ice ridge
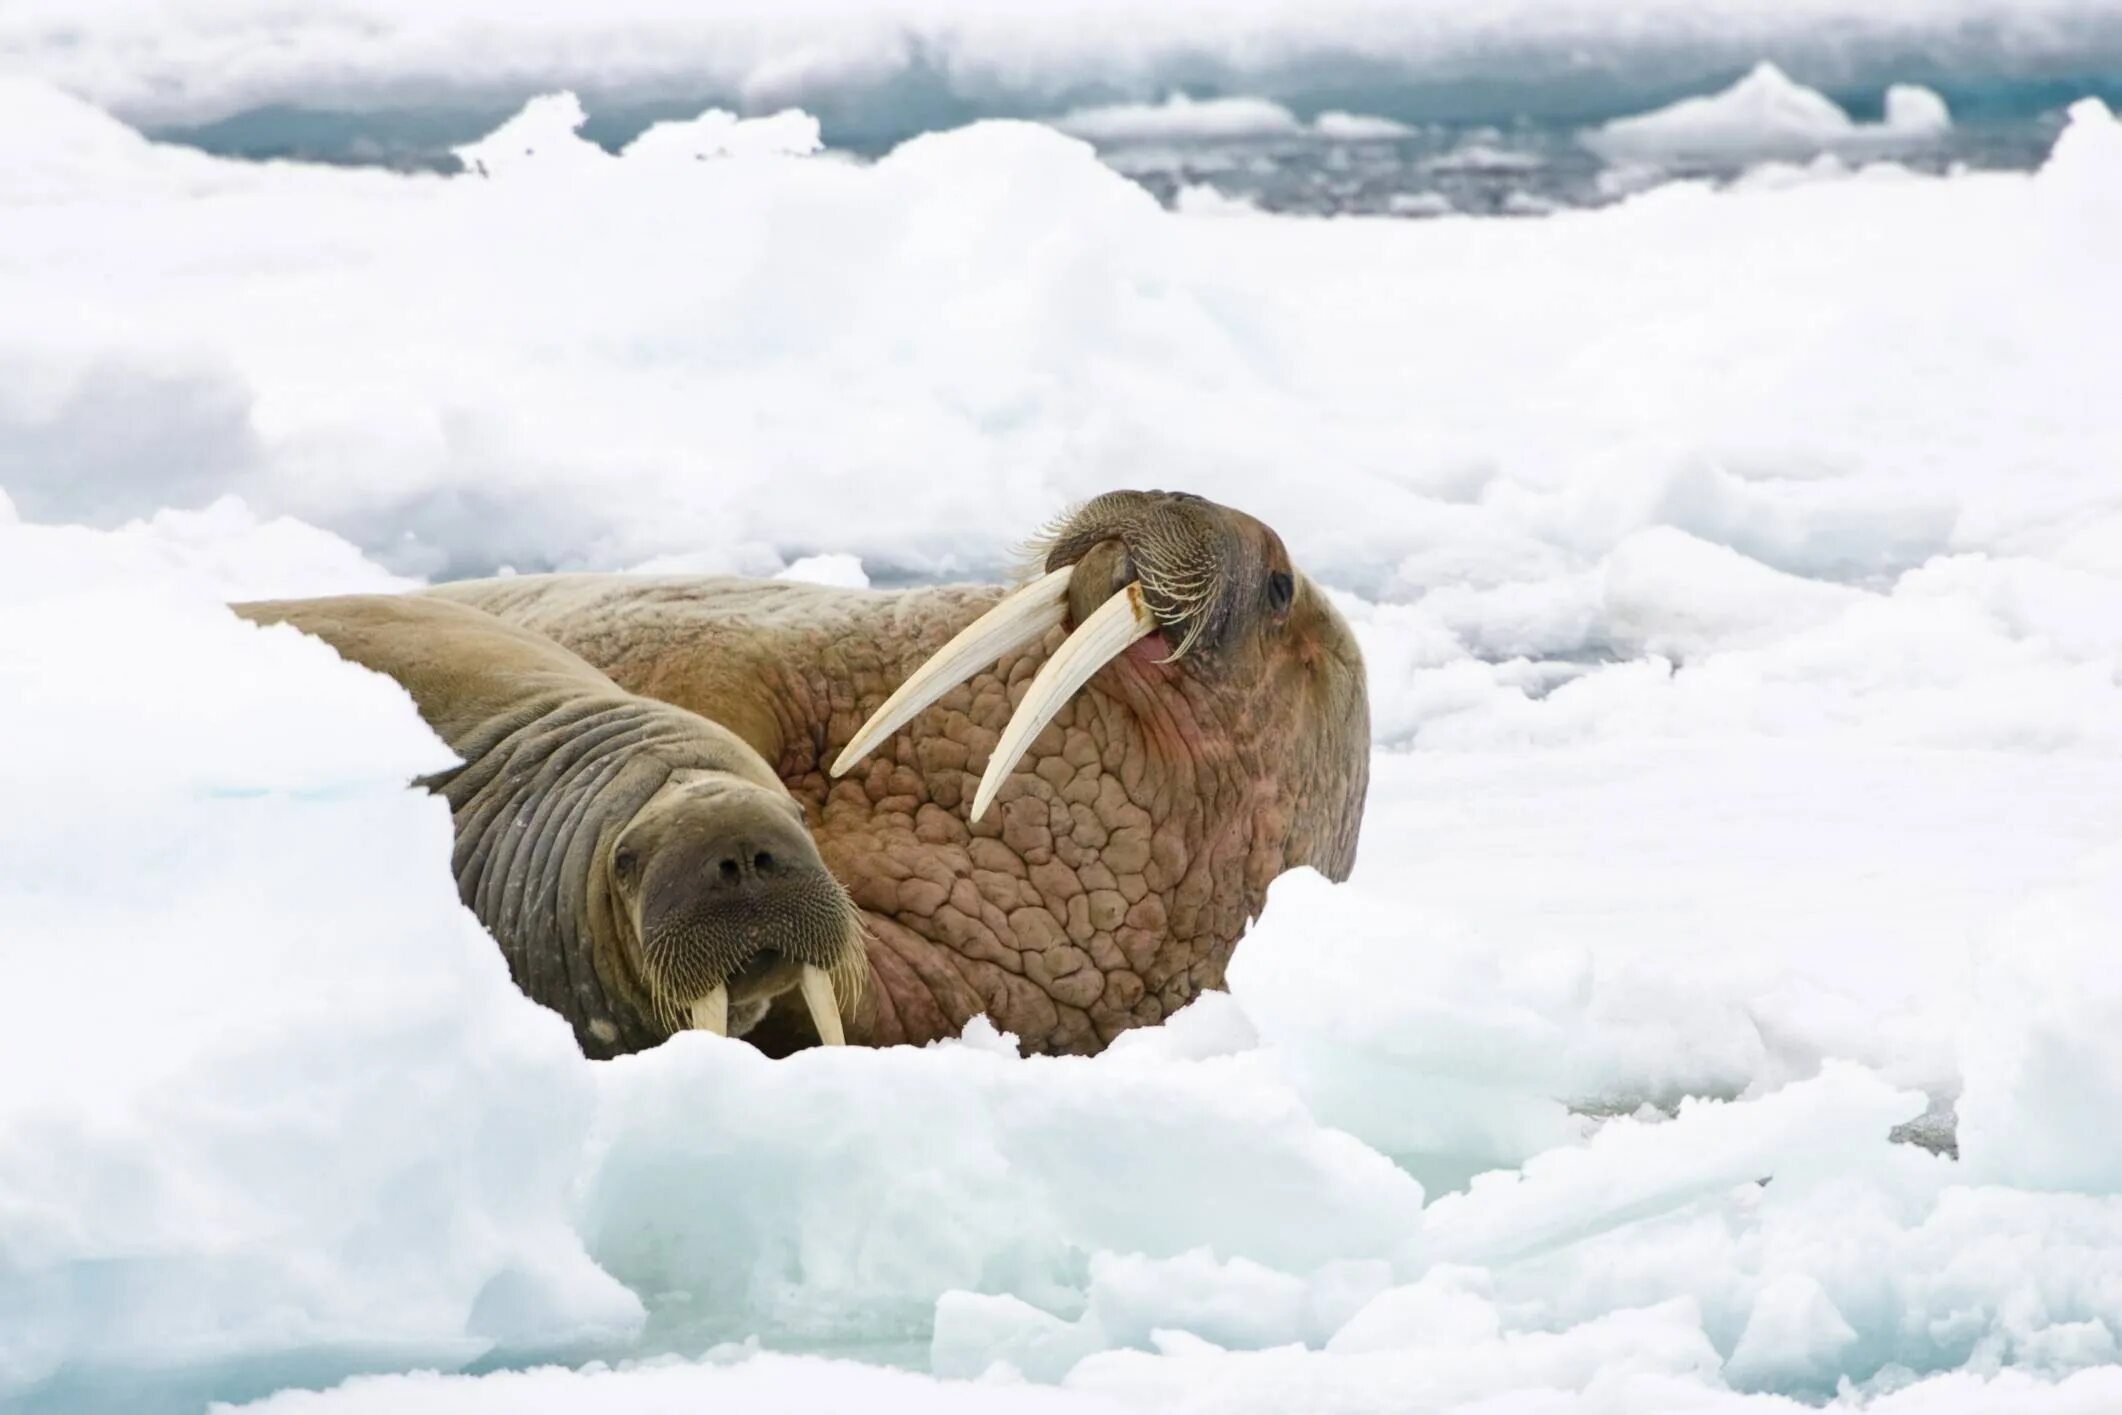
[[1607, 964], [547, 132], [1181, 119], [1766, 115]]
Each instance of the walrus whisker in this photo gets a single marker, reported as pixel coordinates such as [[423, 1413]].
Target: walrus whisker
[[673, 1014], [1104, 636], [690, 991], [1183, 594], [850, 966], [1021, 617], [831, 992]]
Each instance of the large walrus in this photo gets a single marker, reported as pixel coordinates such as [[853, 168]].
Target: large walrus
[[1070, 864], [641, 867]]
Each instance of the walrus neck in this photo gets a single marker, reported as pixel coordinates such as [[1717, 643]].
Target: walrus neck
[[545, 790], [1106, 887]]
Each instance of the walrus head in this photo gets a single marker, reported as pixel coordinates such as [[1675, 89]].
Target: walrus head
[[1223, 648], [728, 907], [644, 871]]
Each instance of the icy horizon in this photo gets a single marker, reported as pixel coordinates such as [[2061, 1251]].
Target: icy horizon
[[889, 70]]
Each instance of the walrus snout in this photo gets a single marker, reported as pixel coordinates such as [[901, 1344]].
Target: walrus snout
[[749, 857], [733, 907]]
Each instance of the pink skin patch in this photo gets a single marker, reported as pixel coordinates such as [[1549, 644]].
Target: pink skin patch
[[1151, 650]]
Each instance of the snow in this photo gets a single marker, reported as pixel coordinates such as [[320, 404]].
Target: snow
[[2038, 1067], [545, 134], [222, 552], [1737, 572], [1179, 117], [1767, 115], [995, 309], [768, 1385], [1482, 153], [873, 1185], [796, 1384], [1205, 200], [1358, 127], [1182, 119], [275, 1112], [842, 571]]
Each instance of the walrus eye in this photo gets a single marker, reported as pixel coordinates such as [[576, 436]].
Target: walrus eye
[[1281, 589], [623, 862]]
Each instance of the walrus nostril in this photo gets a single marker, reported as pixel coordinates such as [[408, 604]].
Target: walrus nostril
[[744, 863]]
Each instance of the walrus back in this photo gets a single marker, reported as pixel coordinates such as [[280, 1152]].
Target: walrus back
[[713, 644], [465, 668]]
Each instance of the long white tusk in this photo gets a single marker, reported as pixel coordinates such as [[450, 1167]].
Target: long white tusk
[[817, 988], [1098, 640], [711, 1013], [1022, 616]]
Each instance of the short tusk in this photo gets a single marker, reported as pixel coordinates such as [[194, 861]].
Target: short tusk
[[817, 988], [711, 1013], [1103, 637], [1022, 616]]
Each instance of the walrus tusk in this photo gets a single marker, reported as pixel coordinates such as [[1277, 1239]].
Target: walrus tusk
[[1117, 623], [711, 1013], [824, 1011], [1020, 617]]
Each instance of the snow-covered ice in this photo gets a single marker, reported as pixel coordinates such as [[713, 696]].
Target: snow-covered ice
[[544, 135], [1357, 127], [556, 381], [806, 1385], [761, 1385], [273, 1111], [1766, 115], [1181, 119], [1740, 576]]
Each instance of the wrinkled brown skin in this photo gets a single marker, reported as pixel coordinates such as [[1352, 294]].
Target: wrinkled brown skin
[[590, 823], [1133, 844]]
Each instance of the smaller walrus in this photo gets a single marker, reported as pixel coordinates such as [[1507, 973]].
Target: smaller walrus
[[641, 868]]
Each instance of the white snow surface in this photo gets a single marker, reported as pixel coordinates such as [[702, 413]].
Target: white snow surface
[[1739, 577], [543, 135], [1179, 117], [761, 1385], [1338, 126], [1182, 119], [1767, 115], [273, 1110]]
